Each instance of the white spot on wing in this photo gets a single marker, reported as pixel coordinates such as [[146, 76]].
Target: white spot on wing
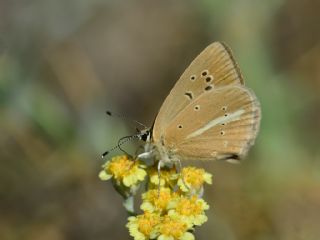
[[223, 119], [214, 154]]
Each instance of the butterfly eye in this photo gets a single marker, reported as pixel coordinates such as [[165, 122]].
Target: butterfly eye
[[197, 107], [224, 108], [222, 133], [180, 126], [204, 73], [144, 137]]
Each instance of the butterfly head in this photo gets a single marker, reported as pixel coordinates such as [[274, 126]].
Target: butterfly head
[[145, 135]]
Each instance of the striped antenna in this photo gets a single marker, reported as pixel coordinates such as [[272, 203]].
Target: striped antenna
[[121, 141]]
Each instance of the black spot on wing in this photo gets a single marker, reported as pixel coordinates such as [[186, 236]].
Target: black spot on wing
[[208, 88], [189, 95]]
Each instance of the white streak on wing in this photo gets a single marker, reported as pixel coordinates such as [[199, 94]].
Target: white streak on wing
[[223, 119]]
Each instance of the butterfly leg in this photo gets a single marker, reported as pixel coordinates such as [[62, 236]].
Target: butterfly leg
[[159, 176], [145, 154], [182, 176], [139, 151], [149, 151]]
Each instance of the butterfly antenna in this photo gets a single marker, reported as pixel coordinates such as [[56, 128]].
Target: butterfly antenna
[[125, 118], [121, 141]]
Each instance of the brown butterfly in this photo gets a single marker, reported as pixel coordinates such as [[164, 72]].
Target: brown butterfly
[[208, 115]]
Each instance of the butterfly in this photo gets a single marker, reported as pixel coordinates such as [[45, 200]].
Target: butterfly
[[208, 115]]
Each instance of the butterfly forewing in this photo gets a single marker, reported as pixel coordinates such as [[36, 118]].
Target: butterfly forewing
[[213, 68], [220, 124], [209, 114]]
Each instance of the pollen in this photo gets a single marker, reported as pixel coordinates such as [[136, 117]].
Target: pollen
[[123, 169], [155, 199], [173, 227], [143, 226], [195, 177], [190, 210], [168, 177], [121, 166], [147, 222], [189, 206]]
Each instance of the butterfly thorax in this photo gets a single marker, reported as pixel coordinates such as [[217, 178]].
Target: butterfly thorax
[[163, 151], [156, 148]]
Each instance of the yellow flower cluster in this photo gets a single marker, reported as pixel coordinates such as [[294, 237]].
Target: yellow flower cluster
[[171, 208], [124, 170], [193, 179], [168, 215]]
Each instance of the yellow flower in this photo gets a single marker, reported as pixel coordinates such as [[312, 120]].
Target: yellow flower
[[168, 177], [156, 200], [173, 228], [192, 178], [124, 170], [191, 210], [144, 226]]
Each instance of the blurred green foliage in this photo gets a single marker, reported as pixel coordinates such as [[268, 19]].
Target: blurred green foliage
[[63, 63]]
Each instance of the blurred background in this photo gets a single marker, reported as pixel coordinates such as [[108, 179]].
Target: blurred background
[[64, 63]]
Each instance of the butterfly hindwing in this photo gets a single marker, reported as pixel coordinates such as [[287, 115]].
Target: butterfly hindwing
[[219, 124]]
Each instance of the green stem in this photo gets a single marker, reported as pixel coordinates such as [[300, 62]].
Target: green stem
[[128, 203]]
